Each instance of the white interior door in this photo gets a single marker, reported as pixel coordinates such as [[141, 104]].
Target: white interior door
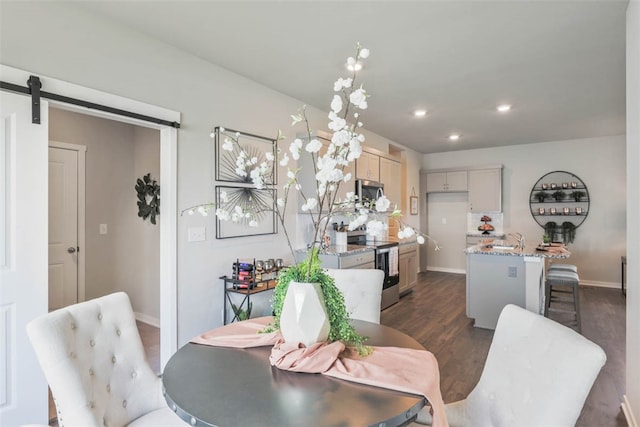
[[23, 258], [63, 227]]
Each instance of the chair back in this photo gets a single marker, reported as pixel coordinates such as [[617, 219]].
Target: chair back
[[362, 290], [537, 373], [94, 362]]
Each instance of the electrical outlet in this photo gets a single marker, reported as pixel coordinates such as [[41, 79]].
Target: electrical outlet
[[512, 272], [196, 234]]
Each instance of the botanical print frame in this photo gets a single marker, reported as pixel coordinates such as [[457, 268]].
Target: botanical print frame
[[413, 205], [260, 202], [253, 145]]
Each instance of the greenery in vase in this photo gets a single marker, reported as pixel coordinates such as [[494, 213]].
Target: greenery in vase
[[577, 195], [568, 232], [541, 196], [559, 195], [310, 271]]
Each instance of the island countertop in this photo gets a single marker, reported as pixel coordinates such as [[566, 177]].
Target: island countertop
[[501, 247]]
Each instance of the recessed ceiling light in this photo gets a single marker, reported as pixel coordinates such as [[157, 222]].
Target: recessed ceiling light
[[420, 113], [354, 67], [503, 108], [454, 137]]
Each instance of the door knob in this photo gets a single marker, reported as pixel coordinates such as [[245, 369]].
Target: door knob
[[71, 250]]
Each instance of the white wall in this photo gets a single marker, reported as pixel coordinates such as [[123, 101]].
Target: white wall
[[633, 199], [599, 162], [69, 44]]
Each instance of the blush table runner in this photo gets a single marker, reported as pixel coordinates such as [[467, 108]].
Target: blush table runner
[[403, 369]]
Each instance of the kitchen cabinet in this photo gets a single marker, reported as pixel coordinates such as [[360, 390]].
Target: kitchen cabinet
[[368, 167], [408, 266], [485, 190], [307, 178], [445, 181], [391, 177]]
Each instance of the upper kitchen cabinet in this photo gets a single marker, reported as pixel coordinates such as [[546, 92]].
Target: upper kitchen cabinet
[[391, 177], [447, 181], [368, 167], [485, 190]]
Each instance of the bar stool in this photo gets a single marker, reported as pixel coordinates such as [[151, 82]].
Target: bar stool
[[563, 286], [562, 267]]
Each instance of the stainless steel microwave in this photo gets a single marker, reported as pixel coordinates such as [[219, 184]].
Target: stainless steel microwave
[[368, 190]]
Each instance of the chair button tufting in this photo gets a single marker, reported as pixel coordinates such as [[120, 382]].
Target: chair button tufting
[[91, 371], [91, 404], [92, 343], [124, 403], [73, 326], [99, 316], [108, 388], [72, 355], [118, 332], [134, 374], [113, 359]]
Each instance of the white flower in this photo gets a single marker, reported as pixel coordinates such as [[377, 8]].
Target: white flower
[[337, 123], [364, 53], [376, 228], [342, 84], [340, 138], [295, 148], [253, 223], [347, 178], [336, 104], [270, 156], [227, 145], [310, 204], [382, 204], [222, 214], [224, 198], [420, 239], [285, 160], [359, 98], [313, 146], [280, 202], [291, 174]]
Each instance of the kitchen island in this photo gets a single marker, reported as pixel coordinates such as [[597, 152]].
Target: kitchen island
[[499, 274]]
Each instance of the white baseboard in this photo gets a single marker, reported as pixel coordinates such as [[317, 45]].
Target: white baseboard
[[628, 413], [612, 285], [447, 270], [149, 320]]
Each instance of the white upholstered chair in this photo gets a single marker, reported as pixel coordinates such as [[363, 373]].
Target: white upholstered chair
[[362, 290], [94, 362], [538, 373]]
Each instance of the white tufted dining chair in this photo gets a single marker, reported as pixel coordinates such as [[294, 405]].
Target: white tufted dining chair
[[538, 373], [94, 362], [362, 290]]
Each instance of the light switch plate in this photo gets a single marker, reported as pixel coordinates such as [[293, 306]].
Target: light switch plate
[[196, 234]]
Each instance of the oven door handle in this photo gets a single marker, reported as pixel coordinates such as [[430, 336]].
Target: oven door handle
[[383, 251]]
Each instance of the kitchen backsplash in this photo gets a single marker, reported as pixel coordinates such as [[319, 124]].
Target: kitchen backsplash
[[475, 220]]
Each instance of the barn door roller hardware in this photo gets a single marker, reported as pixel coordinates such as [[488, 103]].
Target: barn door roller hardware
[[34, 84]]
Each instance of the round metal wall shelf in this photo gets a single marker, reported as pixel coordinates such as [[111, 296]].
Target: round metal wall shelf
[[559, 197]]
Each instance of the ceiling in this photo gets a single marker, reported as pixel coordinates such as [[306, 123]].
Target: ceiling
[[560, 64]]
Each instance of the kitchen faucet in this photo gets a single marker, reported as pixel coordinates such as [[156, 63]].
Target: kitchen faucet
[[520, 239]]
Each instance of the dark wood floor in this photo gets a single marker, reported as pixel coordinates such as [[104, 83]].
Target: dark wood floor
[[434, 314]]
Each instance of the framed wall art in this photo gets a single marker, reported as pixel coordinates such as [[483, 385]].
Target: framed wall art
[[238, 199], [231, 144]]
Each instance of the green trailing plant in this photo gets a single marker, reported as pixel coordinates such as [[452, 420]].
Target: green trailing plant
[[578, 195], [310, 271], [546, 238], [550, 229], [541, 196], [240, 313], [568, 232], [559, 195]]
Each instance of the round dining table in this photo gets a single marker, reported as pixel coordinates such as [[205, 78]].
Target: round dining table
[[220, 386]]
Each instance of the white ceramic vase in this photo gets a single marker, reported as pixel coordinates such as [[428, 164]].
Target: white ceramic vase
[[304, 316]]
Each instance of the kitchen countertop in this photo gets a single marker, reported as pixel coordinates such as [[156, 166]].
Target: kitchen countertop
[[556, 252]]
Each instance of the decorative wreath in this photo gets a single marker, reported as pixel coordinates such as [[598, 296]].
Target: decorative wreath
[[148, 198]]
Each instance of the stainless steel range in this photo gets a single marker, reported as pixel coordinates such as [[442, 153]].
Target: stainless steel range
[[387, 260]]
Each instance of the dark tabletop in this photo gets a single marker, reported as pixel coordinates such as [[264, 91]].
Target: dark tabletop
[[220, 386]]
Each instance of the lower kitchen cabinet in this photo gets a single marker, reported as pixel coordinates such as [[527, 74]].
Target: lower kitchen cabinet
[[408, 266]]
